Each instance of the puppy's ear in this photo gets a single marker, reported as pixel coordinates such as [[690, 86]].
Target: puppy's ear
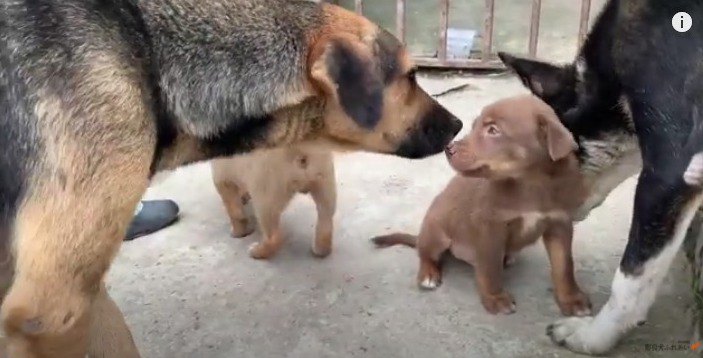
[[543, 79], [346, 69], [560, 142]]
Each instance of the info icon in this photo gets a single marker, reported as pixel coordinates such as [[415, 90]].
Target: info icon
[[682, 22]]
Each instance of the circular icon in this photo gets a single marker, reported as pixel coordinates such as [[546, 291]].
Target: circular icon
[[682, 21]]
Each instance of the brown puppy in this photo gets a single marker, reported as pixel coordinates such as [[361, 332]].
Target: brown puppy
[[270, 178], [518, 181]]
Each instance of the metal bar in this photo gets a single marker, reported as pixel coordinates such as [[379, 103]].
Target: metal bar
[[400, 20], [488, 30], [443, 25], [583, 21], [359, 6], [433, 62], [534, 26]]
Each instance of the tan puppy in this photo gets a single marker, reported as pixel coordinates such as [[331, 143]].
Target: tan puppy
[[518, 181], [270, 178]]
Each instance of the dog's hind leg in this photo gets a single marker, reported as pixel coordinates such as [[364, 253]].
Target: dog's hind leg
[[98, 143], [664, 208]]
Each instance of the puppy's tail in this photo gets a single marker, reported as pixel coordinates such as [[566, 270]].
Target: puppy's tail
[[395, 239]]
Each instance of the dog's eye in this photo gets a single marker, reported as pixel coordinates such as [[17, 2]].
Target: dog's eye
[[492, 130], [411, 75]]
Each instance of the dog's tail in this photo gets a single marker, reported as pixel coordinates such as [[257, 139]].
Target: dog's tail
[[395, 239]]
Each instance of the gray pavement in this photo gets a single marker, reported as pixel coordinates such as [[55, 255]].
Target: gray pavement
[[192, 291]]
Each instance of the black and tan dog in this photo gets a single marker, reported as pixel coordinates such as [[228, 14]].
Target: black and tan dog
[[632, 98], [96, 96]]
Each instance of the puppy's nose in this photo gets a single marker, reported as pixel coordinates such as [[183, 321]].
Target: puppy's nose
[[450, 149]]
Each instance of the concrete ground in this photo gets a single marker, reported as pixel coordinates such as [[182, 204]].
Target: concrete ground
[[192, 291]]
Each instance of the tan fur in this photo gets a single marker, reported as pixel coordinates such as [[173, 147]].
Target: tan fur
[[70, 227], [109, 334], [270, 178], [404, 102], [98, 143], [511, 191]]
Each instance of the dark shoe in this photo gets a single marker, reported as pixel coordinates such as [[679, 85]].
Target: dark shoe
[[152, 216]]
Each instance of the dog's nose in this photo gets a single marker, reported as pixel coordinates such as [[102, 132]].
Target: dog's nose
[[457, 126], [450, 149]]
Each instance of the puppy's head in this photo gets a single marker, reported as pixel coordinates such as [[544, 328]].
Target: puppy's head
[[509, 138], [591, 104], [373, 100]]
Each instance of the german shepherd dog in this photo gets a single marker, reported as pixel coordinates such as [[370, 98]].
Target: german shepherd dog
[[96, 96], [631, 99]]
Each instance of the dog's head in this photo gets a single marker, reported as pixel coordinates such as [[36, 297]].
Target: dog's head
[[373, 100], [594, 110], [511, 137]]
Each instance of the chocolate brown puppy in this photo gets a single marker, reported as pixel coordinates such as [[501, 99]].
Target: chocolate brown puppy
[[518, 180]]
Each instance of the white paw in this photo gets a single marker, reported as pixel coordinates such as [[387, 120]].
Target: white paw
[[429, 284], [578, 335], [584, 312], [693, 175]]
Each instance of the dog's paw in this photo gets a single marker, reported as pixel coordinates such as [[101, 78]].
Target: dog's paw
[[242, 228], [260, 251], [502, 303], [321, 251], [322, 245], [576, 304], [429, 278], [429, 283], [578, 335], [693, 175], [510, 259]]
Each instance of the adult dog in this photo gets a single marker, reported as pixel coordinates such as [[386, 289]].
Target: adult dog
[[97, 95], [631, 98]]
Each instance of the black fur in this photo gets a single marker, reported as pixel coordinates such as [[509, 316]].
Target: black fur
[[359, 86], [431, 132], [386, 50], [633, 52], [17, 142], [240, 136]]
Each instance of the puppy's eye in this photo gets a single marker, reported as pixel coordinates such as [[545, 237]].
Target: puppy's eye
[[412, 74], [492, 130]]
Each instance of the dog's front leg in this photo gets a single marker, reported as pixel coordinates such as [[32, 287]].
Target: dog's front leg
[[65, 241], [664, 207], [109, 334]]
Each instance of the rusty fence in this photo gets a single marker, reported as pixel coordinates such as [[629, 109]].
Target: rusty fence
[[485, 58]]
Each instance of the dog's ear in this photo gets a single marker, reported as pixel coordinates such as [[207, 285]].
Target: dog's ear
[[346, 69], [560, 142], [543, 79]]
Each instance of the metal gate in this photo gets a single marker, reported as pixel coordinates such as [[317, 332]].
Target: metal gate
[[485, 58]]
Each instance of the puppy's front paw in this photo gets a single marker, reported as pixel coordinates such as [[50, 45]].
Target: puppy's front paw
[[261, 250], [322, 245], [577, 334], [502, 303], [429, 278], [576, 304]]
